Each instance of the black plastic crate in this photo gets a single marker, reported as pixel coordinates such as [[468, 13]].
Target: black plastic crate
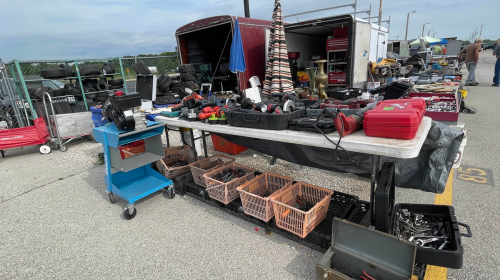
[[319, 239], [341, 204], [396, 90], [358, 213], [240, 118], [451, 255], [345, 93], [419, 270]]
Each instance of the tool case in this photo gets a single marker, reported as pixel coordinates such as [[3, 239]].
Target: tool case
[[398, 119], [356, 249], [344, 93], [307, 124], [450, 256], [240, 118]]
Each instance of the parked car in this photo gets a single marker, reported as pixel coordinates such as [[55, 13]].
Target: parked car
[[487, 46]]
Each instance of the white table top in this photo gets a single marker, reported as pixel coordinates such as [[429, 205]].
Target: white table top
[[356, 142]]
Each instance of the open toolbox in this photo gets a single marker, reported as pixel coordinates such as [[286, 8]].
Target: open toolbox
[[364, 253], [439, 106], [445, 249]]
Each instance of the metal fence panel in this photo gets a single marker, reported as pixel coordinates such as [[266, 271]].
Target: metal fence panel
[[12, 111], [156, 64]]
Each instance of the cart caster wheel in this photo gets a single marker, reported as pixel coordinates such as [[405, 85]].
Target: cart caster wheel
[[127, 215], [171, 192], [45, 149], [63, 148], [111, 198]]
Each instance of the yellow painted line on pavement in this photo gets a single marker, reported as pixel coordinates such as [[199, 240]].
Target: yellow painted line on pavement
[[437, 272]]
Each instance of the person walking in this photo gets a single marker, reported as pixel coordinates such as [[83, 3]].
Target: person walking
[[437, 49], [496, 77], [471, 59]]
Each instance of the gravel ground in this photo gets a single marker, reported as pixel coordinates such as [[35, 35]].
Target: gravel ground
[[58, 223]]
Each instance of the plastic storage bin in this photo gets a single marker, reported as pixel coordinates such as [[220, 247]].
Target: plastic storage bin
[[222, 145], [201, 167], [226, 192], [450, 256], [262, 120], [297, 221], [182, 153], [256, 194], [396, 90]]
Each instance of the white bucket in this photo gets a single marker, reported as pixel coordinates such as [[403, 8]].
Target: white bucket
[[254, 82]]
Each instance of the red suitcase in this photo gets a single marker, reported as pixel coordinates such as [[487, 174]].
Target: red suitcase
[[399, 118]]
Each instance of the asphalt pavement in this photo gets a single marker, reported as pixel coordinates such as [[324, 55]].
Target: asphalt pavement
[[58, 224]]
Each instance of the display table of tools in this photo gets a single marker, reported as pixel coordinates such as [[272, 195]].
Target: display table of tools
[[355, 142]]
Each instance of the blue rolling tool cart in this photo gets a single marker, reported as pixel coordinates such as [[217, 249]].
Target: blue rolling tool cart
[[135, 178]]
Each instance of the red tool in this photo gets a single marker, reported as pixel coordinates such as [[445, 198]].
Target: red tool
[[347, 125], [209, 111]]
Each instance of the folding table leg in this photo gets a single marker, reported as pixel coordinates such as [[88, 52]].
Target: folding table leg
[[193, 145], [273, 161], [373, 182], [204, 143]]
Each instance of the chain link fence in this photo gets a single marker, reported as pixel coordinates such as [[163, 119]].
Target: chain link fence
[[17, 108], [156, 64], [12, 109]]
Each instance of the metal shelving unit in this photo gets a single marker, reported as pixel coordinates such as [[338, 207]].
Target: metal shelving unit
[[27, 73]]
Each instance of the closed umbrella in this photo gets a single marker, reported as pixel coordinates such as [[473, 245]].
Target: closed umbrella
[[237, 56], [278, 77], [237, 62]]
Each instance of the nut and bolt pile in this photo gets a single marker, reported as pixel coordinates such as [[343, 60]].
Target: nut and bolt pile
[[442, 106], [230, 174], [426, 232]]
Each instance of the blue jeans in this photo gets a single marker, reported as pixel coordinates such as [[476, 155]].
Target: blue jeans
[[496, 78], [471, 67]]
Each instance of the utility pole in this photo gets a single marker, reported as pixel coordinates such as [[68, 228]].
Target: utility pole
[[481, 32], [407, 21], [247, 8], [379, 14], [423, 27]]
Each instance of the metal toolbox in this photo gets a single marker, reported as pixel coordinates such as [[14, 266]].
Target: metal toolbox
[[450, 256], [356, 249]]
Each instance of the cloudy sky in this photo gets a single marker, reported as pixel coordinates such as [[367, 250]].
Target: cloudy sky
[[57, 29]]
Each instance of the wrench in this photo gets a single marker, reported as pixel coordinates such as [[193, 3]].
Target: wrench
[[422, 242]]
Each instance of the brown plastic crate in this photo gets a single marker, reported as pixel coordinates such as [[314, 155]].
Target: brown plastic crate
[[176, 153], [256, 194], [200, 167], [226, 192], [297, 221]]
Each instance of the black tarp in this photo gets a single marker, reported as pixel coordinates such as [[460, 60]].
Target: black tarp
[[428, 172]]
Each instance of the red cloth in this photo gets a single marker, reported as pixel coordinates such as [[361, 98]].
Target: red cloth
[[25, 136]]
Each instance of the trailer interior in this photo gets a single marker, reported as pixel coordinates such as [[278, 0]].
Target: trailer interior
[[210, 45], [310, 40]]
